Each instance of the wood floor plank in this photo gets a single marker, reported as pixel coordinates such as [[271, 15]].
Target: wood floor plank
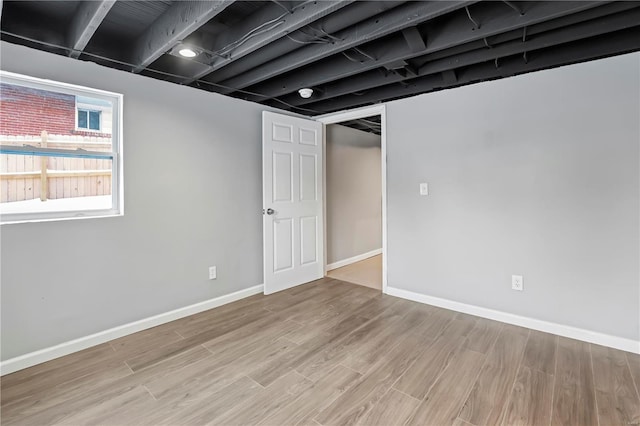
[[333, 355], [139, 342], [202, 319], [364, 343], [326, 320], [196, 324], [171, 365], [327, 329], [374, 306], [322, 288], [239, 317], [634, 365], [123, 408], [574, 400], [64, 364], [447, 396], [307, 311], [42, 399], [333, 313], [63, 408], [540, 353], [206, 377], [53, 373], [487, 402], [248, 339], [271, 371], [158, 354], [421, 376], [483, 336], [266, 402], [437, 322], [531, 398], [356, 402], [304, 408], [616, 396], [49, 380], [72, 397], [459, 422], [364, 356], [209, 409], [394, 409]]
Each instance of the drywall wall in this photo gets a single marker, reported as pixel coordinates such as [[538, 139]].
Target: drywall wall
[[193, 191], [354, 192], [535, 175]]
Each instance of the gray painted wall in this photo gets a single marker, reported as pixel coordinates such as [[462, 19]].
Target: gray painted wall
[[193, 191], [354, 192], [535, 175]]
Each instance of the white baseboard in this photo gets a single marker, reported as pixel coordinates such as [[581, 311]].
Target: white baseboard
[[354, 259], [66, 348], [534, 324]]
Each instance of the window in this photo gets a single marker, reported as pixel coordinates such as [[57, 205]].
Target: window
[[89, 120], [60, 150]]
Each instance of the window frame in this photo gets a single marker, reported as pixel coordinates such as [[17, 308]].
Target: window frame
[[117, 175], [88, 128]]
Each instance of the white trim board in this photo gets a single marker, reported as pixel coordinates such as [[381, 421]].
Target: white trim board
[[534, 324], [354, 259], [342, 116], [66, 348]]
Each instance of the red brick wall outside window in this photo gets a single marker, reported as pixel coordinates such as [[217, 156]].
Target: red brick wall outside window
[[26, 111]]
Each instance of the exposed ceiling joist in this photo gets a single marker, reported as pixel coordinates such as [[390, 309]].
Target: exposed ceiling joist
[[452, 32], [616, 43], [555, 32], [281, 25], [414, 39], [330, 24], [350, 52], [85, 22], [183, 18], [397, 19], [607, 24]]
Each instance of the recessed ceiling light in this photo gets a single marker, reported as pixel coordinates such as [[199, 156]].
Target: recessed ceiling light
[[187, 52], [305, 92]]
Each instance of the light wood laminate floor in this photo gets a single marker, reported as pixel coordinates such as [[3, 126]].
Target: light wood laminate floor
[[330, 353], [367, 272]]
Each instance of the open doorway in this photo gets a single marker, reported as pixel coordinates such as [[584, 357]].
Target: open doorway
[[355, 202]]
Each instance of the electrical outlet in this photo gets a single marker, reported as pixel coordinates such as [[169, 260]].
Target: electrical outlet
[[213, 273], [517, 282]]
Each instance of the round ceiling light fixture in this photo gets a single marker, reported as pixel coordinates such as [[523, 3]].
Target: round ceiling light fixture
[[187, 52], [305, 92]]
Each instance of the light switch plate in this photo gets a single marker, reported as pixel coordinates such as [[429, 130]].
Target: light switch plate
[[424, 189]]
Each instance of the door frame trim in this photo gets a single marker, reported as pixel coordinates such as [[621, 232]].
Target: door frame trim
[[339, 117]]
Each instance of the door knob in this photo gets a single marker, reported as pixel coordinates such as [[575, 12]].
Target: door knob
[[270, 211]]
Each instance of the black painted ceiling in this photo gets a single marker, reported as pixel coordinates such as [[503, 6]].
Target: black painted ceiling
[[351, 53]]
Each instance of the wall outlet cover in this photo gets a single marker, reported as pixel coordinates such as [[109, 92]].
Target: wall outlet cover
[[517, 282], [213, 273]]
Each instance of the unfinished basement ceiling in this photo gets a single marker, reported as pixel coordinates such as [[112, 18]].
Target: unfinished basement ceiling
[[351, 53]]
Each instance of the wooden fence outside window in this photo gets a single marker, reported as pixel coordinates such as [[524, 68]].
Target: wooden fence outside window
[[28, 177]]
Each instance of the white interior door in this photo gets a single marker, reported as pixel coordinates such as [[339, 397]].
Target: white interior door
[[292, 201]]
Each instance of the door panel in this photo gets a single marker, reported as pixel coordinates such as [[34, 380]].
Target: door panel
[[283, 244], [308, 136], [309, 235], [292, 199], [282, 176], [308, 177], [282, 133]]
